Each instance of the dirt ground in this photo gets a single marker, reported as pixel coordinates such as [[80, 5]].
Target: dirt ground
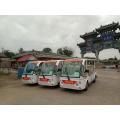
[[106, 90]]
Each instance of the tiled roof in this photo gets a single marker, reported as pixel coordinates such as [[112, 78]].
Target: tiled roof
[[26, 58], [107, 27], [87, 35], [39, 54]]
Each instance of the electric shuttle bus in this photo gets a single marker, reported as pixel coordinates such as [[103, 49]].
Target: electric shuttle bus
[[50, 73], [77, 74], [30, 74]]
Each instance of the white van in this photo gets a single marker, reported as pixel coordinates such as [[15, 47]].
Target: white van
[[50, 73], [77, 73], [30, 74]]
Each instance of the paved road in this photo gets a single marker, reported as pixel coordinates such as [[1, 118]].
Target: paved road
[[106, 90]]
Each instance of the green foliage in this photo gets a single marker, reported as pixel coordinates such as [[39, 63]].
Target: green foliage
[[47, 50], [60, 51], [9, 54], [65, 51], [21, 50]]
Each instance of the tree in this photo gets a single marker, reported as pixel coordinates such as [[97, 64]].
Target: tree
[[60, 51], [9, 54], [47, 50], [65, 51], [21, 50]]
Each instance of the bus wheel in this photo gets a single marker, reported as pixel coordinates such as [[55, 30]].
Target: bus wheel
[[86, 87], [95, 79]]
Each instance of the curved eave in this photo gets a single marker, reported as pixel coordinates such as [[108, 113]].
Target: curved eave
[[97, 40], [108, 27], [88, 35], [81, 44]]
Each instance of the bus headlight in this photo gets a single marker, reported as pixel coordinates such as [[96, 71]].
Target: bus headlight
[[78, 83], [61, 82], [50, 81]]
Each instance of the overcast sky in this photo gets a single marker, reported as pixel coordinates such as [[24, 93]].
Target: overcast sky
[[37, 32]]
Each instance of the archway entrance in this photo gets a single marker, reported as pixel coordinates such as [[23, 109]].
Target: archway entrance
[[104, 37]]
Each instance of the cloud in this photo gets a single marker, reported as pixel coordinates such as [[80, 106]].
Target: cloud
[[37, 32]]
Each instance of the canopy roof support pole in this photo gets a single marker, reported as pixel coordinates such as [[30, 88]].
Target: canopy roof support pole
[[97, 55]]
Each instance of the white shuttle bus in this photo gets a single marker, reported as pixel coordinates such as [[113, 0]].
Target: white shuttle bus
[[30, 74], [50, 73], [77, 73]]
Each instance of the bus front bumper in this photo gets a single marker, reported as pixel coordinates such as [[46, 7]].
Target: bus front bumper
[[28, 81], [48, 82], [71, 86]]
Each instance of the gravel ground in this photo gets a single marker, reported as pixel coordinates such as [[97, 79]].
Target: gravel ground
[[106, 90]]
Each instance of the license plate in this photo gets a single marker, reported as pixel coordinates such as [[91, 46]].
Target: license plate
[[26, 78], [44, 79], [69, 82]]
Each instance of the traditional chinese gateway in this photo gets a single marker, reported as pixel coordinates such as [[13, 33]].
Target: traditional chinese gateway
[[104, 37]]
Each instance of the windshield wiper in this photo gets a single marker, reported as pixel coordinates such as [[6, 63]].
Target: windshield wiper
[[43, 74], [67, 74]]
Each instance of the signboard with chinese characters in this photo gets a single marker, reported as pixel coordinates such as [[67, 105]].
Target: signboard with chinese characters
[[107, 36]]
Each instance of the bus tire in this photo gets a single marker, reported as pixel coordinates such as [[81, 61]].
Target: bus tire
[[95, 79], [86, 87]]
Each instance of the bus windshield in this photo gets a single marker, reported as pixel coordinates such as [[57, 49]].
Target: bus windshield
[[30, 68], [72, 69], [48, 69]]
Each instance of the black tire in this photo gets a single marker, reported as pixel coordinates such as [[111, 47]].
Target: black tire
[[86, 87], [95, 79]]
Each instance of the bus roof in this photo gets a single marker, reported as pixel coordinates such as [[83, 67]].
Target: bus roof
[[35, 62], [48, 61], [73, 60]]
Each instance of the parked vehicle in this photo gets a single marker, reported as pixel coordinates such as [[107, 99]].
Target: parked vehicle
[[50, 73], [31, 71], [20, 72], [77, 74]]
